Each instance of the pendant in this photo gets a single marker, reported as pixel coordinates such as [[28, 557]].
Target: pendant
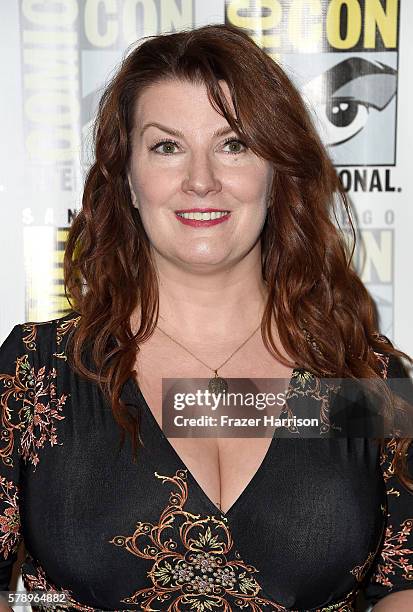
[[217, 384]]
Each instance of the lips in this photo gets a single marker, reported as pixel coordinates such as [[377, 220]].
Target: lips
[[199, 222], [201, 210]]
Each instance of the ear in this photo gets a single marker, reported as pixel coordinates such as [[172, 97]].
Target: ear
[[132, 192]]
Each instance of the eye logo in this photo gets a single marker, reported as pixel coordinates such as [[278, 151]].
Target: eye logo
[[354, 104], [343, 57]]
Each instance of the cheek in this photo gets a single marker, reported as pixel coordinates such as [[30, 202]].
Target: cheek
[[250, 183], [145, 177], [151, 193]]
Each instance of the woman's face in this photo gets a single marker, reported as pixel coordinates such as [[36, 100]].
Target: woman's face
[[184, 163]]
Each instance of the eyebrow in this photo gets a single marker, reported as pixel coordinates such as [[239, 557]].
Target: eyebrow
[[353, 67], [219, 132]]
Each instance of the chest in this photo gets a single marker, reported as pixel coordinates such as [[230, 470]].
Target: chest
[[108, 529], [222, 466]]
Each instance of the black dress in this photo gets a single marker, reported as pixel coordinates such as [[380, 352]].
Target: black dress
[[320, 521]]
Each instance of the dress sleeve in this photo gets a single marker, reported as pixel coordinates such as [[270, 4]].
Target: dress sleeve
[[14, 386], [392, 569]]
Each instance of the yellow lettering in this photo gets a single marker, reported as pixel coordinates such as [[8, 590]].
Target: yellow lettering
[[49, 37], [50, 68], [58, 13], [378, 255], [94, 36], [385, 20], [53, 107], [60, 145], [149, 22], [60, 302], [304, 38], [38, 258], [353, 25], [174, 18], [266, 41], [257, 23]]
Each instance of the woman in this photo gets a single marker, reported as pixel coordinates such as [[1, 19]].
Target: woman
[[194, 121]]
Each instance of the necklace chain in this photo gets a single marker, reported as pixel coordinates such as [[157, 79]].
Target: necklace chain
[[206, 365], [203, 363]]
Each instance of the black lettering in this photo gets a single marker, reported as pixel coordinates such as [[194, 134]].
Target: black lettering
[[388, 177], [71, 214], [375, 182], [345, 178], [360, 180]]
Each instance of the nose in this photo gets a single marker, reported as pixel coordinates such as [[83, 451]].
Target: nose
[[201, 175]]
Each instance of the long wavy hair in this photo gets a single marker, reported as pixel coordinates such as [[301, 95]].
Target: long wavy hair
[[324, 315]]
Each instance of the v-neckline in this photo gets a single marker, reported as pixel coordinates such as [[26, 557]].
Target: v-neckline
[[252, 483]]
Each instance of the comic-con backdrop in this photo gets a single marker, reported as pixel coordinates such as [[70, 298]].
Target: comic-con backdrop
[[349, 58]]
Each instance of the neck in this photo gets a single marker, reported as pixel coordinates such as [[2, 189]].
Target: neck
[[199, 306], [224, 306]]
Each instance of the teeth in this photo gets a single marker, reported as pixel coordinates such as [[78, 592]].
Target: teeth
[[203, 216]]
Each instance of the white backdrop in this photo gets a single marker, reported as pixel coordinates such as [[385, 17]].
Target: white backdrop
[[351, 59]]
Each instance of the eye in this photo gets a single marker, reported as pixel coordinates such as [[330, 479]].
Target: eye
[[170, 143], [343, 119], [238, 142], [348, 95], [173, 143]]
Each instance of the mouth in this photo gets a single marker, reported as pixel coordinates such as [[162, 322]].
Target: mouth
[[199, 218], [199, 215]]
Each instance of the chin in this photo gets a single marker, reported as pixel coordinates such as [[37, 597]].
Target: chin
[[202, 261]]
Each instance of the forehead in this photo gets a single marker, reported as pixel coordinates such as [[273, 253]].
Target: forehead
[[182, 101]]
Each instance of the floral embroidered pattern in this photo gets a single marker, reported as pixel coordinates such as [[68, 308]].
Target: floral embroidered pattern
[[360, 570], [394, 555], [387, 458], [383, 361], [305, 384], [38, 581], [30, 338], [30, 331], [61, 331], [65, 327], [10, 519], [338, 607], [200, 572], [35, 393], [35, 579]]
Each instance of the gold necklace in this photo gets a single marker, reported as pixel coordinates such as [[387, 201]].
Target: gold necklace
[[217, 384]]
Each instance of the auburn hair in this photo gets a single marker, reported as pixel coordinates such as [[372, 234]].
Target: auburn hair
[[324, 315]]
